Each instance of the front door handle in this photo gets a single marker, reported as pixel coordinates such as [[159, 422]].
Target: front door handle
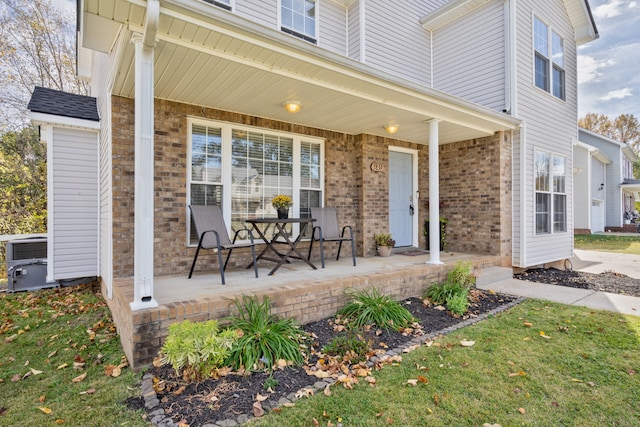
[[411, 210]]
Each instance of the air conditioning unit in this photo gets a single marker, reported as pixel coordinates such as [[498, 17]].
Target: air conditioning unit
[[27, 264]]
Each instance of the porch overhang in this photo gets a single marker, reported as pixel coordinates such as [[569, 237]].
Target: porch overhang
[[212, 58]]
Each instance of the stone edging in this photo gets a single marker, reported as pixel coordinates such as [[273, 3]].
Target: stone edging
[[158, 417]]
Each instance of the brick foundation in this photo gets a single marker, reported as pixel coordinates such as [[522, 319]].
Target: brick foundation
[[143, 332]]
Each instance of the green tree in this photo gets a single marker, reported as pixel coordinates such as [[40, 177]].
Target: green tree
[[23, 183]]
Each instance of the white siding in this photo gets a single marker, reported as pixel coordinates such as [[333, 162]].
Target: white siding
[[259, 11], [332, 20], [551, 123], [395, 40], [469, 56], [75, 203]]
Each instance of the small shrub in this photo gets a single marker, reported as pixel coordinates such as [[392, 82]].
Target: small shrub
[[458, 303], [440, 293], [373, 308], [454, 292], [462, 274], [196, 349], [264, 338], [351, 347]]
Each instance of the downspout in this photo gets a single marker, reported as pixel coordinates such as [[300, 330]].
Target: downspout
[[144, 161]]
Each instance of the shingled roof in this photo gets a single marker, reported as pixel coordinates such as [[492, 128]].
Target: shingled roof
[[58, 103]]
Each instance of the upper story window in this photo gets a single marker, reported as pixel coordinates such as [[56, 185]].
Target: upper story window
[[298, 18], [241, 169], [550, 193], [225, 4], [548, 59]]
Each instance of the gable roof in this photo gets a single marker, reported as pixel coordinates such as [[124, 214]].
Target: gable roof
[[59, 103]]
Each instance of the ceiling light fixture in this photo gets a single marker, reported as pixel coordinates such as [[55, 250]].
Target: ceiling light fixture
[[392, 127], [292, 106]]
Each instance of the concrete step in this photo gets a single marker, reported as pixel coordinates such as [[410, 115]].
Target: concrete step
[[490, 275]]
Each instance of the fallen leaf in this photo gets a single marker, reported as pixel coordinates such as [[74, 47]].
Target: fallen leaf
[[315, 422], [41, 399], [528, 324], [64, 365], [35, 371], [543, 335], [45, 410], [522, 411], [90, 391], [412, 382], [180, 390], [79, 378], [422, 379], [16, 378], [327, 391], [59, 421], [257, 410], [517, 374], [467, 343], [261, 398]]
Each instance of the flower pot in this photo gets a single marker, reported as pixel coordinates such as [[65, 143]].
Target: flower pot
[[283, 213], [384, 250]]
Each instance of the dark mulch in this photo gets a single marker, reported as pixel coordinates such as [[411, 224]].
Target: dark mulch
[[210, 401], [607, 282]]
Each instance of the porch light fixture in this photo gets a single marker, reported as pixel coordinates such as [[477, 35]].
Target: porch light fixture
[[292, 106], [392, 127]]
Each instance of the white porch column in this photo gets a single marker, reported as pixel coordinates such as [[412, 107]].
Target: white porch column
[[434, 194], [144, 180]]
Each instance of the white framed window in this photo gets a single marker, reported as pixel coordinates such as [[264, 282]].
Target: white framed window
[[241, 168], [298, 18], [550, 193], [224, 4], [548, 59]]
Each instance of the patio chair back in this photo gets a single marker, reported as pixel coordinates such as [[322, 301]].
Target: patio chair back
[[207, 218], [327, 219], [326, 229]]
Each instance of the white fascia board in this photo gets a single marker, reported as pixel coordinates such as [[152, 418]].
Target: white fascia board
[[51, 119], [450, 12]]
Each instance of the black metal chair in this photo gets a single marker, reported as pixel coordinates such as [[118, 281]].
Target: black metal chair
[[326, 230], [212, 233]]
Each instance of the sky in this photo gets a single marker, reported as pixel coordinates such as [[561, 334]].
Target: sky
[[609, 67]]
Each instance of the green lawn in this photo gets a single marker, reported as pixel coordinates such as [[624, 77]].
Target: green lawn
[[608, 243], [584, 371], [56, 348]]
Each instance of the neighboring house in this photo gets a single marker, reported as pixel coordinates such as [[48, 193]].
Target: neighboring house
[[589, 183], [393, 112], [620, 190]]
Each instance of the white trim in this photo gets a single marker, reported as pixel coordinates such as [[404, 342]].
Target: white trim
[[552, 155], [414, 190], [452, 11], [523, 196], [434, 193], [361, 27], [44, 119], [46, 134]]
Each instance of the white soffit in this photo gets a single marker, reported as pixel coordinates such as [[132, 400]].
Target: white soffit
[[99, 33]]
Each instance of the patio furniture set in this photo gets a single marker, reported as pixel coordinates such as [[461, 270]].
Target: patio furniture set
[[280, 245]]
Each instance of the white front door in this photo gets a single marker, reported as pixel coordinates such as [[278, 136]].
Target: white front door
[[597, 216], [401, 201]]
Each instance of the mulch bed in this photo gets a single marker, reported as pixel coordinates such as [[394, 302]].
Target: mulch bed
[[609, 281], [232, 397]]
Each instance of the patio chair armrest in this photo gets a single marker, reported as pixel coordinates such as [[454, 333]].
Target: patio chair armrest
[[350, 231], [215, 233], [313, 232], [235, 236]]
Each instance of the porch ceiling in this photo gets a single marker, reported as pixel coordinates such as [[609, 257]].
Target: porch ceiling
[[209, 57]]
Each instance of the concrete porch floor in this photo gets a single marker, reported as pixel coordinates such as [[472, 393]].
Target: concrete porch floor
[[295, 291]]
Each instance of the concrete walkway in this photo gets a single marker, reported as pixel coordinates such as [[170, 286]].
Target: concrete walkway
[[588, 261]]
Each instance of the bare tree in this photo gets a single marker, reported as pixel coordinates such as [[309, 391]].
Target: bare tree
[[624, 128], [37, 48]]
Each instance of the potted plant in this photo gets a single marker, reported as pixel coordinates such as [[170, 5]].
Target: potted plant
[[443, 233], [384, 243], [281, 203]]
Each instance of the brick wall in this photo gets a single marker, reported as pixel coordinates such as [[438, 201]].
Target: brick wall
[[476, 193]]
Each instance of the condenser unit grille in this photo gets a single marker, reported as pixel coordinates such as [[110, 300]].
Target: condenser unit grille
[[28, 250]]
